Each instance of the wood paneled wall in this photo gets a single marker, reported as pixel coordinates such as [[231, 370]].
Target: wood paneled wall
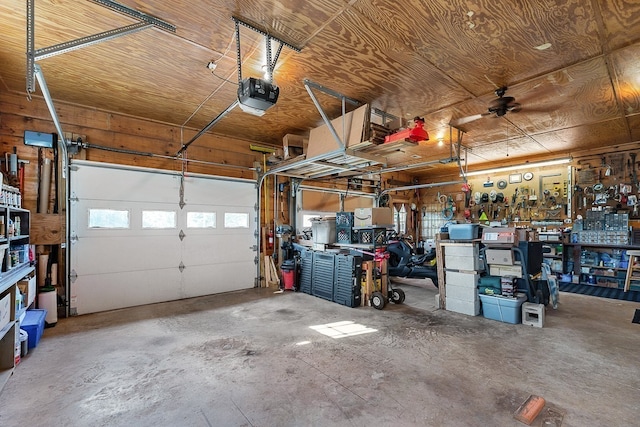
[[121, 132], [101, 128]]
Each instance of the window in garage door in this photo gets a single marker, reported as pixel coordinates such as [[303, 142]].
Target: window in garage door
[[125, 227]]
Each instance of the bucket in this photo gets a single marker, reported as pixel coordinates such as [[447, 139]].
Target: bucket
[[48, 300], [24, 343]]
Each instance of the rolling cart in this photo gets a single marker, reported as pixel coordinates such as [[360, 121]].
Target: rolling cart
[[534, 290], [376, 283]]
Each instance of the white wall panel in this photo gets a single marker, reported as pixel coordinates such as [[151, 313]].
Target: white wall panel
[[119, 268]]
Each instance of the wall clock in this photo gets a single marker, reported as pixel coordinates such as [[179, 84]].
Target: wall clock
[[528, 176]]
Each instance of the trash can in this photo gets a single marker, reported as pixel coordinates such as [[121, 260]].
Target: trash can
[[288, 269], [48, 300]]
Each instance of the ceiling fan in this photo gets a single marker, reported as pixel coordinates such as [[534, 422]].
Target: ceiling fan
[[497, 107]]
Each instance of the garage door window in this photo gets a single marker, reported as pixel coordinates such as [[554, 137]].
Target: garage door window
[[236, 220], [108, 218], [201, 220], [158, 219]]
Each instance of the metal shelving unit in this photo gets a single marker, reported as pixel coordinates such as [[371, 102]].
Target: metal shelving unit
[[15, 266]]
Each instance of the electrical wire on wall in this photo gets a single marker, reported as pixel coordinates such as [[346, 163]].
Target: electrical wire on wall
[[217, 89]]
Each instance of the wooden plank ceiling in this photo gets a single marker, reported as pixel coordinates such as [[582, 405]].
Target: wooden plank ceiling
[[439, 59]]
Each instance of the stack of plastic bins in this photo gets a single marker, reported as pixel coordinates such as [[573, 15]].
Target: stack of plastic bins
[[348, 275]]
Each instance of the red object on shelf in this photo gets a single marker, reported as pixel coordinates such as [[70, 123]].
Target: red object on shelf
[[415, 134]]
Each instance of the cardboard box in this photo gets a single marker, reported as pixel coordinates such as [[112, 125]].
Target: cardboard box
[[500, 236], [5, 311], [294, 145], [28, 288], [505, 270], [499, 256], [368, 217], [322, 141]]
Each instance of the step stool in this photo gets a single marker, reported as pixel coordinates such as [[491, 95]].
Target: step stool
[[533, 314], [631, 268]]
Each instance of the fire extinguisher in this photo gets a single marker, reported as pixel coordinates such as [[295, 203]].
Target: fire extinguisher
[[270, 239]]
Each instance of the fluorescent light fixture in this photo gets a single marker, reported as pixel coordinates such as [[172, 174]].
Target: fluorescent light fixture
[[515, 167]]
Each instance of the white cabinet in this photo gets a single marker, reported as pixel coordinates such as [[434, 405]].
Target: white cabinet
[[461, 266]]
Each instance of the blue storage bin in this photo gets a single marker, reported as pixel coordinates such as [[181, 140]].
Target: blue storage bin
[[463, 231], [33, 323], [503, 309]]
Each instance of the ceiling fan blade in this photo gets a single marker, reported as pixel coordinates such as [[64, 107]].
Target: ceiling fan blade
[[468, 119]]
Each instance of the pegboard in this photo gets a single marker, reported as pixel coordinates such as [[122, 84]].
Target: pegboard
[[539, 194], [609, 182]]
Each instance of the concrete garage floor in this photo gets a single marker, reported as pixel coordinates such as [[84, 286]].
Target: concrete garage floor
[[251, 358]]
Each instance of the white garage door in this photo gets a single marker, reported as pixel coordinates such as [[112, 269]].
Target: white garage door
[[132, 243]]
